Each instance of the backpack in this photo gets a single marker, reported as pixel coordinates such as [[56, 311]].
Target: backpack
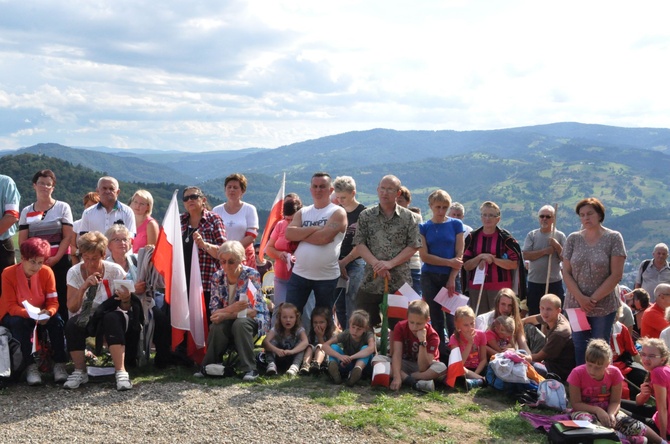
[[11, 358], [511, 388], [645, 264], [550, 393], [560, 433]]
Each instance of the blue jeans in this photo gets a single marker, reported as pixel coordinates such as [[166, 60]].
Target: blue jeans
[[536, 291], [346, 303], [431, 284], [416, 280], [22, 331], [601, 328], [299, 289], [281, 286], [345, 370]]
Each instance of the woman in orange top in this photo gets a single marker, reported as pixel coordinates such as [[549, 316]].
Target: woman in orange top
[[30, 281]]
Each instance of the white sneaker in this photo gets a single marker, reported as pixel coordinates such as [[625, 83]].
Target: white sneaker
[[77, 378], [250, 376], [425, 386], [292, 370], [123, 381], [214, 370], [271, 370], [33, 376], [60, 373]]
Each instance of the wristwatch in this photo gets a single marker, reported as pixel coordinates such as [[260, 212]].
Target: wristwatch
[[423, 343]]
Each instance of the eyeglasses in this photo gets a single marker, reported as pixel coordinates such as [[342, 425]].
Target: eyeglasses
[[644, 355], [191, 197], [34, 263], [229, 261], [490, 216], [545, 216], [116, 239]]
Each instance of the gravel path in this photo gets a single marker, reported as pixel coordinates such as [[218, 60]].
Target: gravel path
[[180, 412]]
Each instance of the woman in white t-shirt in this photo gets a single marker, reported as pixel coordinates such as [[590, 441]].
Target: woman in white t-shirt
[[239, 218], [51, 220]]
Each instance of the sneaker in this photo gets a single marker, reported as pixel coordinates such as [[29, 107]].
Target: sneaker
[[60, 373], [33, 376], [314, 368], [250, 376], [334, 372], [214, 370], [77, 378], [271, 370], [324, 365], [123, 381], [304, 369], [425, 386], [473, 383], [292, 370], [198, 375], [354, 376]]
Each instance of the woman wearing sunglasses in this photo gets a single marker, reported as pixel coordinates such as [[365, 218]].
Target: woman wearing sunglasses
[[204, 230]]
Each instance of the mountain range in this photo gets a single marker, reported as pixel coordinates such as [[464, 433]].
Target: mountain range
[[519, 168]]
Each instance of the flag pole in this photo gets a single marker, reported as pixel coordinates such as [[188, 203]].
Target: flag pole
[[481, 290], [384, 342], [553, 234]]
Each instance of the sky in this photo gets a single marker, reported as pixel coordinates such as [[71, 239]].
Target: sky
[[221, 75]]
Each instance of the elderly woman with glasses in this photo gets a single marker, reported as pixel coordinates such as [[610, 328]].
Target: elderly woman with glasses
[[495, 251], [593, 262], [30, 281], [120, 241], [239, 312]]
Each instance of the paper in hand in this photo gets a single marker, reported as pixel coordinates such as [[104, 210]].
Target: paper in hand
[[34, 312], [450, 304], [125, 283]]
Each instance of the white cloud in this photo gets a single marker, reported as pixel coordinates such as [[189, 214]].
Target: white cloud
[[221, 75]]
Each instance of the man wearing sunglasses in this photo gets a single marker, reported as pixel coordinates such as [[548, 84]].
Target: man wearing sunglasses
[[538, 249], [108, 211]]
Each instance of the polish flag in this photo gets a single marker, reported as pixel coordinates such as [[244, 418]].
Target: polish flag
[[168, 258], [197, 337], [577, 318], [34, 216], [399, 301], [276, 214], [381, 374], [251, 293], [456, 367]]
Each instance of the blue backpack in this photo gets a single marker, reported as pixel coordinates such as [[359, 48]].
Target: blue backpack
[[511, 388]]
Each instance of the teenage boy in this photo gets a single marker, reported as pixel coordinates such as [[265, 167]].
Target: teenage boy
[[416, 356], [558, 354]]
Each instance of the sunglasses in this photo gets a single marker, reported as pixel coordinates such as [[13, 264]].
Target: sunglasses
[[544, 216], [229, 261], [191, 197]]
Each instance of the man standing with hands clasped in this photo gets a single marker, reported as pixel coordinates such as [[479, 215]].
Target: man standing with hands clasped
[[540, 248]]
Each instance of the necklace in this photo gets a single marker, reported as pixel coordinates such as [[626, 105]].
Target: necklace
[[189, 232]]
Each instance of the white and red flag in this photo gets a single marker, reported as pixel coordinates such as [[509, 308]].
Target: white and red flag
[[168, 258], [399, 301], [456, 367], [276, 214]]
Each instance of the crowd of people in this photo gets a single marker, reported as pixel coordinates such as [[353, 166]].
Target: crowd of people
[[555, 300]]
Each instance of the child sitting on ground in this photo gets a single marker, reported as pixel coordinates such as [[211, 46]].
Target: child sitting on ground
[[500, 336], [558, 354], [323, 328], [654, 356], [285, 343], [350, 351], [416, 355], [472, 344], [595, 395]]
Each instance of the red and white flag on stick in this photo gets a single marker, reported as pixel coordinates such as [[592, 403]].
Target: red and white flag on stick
[[399, 301], [168, 258], [456, 367], [276, 214]]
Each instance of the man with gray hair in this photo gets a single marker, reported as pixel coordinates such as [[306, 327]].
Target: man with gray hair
[[653, 320], [386, 238], [654, 271], [108, 211], [539, 249]]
